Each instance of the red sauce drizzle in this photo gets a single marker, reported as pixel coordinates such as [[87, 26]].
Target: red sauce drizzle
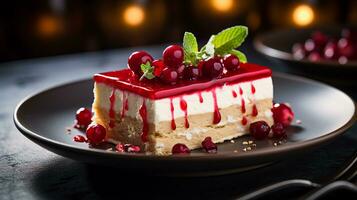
[[111, 109], [183, 105], [125, 106], [252, 88], [216, 113], [242, 100], [254, 110], [143, 114], [234, 93], [173, 124], [79, 138], [244, 121], [200, 97], [240, 91]]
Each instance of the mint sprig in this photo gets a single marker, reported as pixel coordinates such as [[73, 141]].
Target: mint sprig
[[228, 39], [148, 71], [190, 48]]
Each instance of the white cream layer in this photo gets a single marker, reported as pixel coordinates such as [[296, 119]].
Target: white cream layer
[[159, 110]]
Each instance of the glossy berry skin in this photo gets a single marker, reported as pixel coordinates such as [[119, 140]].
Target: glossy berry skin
[[279, 130], [181, 71], [169, 76], [120, 147], [158, 67], [283, 114], [180, 148], [95, 133], [136, 59], [346, 48], [259, 130], [192, 73], [231, 62], [83, 117], [314, 56], [213, 68], [298, 51], [173, 56], [131, 148], [319, 38], [331, 50], [209, 145]]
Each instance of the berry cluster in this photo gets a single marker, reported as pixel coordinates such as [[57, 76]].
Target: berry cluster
[[322, 47], [207, 144], [283, 116], [172, 68]]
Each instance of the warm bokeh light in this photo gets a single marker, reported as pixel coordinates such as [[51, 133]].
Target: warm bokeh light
[[303, 15], [49, 26], [222, 5], [134, 15]]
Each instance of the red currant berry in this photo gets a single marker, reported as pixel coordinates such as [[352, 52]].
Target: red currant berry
[[136, 59], [278, 130], [169, 75], [131, 148], [158, 67], [180, 149], [259, 129], [319, 38], [331, 50], [180, 71], [173, 56], [209, 145], [282, 113], [96, 133], [346, 48], [231, 62], [298, 51], [192, 73], [213, 67], [314, 56], [83, 117], [79, 138], [120, 147]]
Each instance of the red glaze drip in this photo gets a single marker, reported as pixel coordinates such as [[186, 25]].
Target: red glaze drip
[[153, 89], [173, 124], [216, 113], [183, 105], [125, 105], [240, 91], [143, 114], [234, 93], [79, 138], [111, 109], [200, 97], [244, 121], [243, 105], [252, 88], [254, 110]]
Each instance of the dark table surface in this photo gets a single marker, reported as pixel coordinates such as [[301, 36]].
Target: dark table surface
[[27, 171]]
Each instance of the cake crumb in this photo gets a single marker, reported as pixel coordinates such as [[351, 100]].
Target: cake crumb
[[245, 143], [232, 141], [235, 151], [68, 130], [250, 142], [275, 144]]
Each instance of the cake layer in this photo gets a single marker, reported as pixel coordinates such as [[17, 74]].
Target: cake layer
[[153, 89], [166, 109], [161, 138]]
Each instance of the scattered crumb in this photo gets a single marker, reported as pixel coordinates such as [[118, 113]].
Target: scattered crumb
[[245, 149], [254, 145], [68, 130], [250, 142], [232, 141], [245, 143], [298, 121], [235, 151], [275, 144]]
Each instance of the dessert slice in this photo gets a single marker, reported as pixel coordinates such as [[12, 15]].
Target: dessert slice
[[157, 116], [186, 97]]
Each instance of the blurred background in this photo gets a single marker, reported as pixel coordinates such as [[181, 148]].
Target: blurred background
[[41, 28]]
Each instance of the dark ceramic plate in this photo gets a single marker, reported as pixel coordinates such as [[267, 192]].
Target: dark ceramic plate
[[325, 113], [278, 44]]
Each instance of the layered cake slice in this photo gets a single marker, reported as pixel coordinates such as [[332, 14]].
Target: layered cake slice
[[188, 96]]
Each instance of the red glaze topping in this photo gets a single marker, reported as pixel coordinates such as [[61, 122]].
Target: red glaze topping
[[254, 110], [79, 138], [234, 93], [173, 124], [143, 114], [244, 121], [200, 97], [153, 89], [183, 105]]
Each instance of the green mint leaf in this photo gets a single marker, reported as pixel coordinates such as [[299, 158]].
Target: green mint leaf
[[242, 58], [229, 39], [148, 71], [209, 49], [190, 48]]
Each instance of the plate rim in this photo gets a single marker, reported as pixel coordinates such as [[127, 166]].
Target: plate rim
[[282, 55], [48, 143]]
